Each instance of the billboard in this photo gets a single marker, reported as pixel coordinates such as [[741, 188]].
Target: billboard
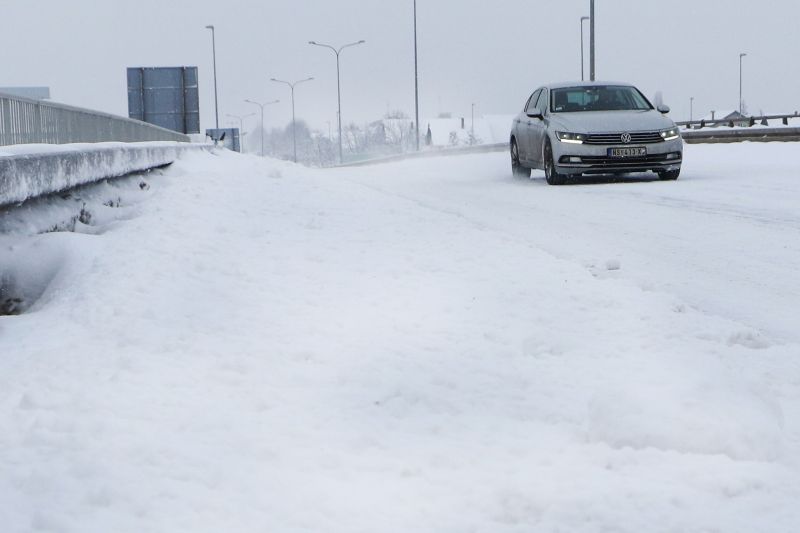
[[165, 96]]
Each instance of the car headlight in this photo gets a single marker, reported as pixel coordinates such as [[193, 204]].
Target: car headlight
[[573, 138], [670, 134]]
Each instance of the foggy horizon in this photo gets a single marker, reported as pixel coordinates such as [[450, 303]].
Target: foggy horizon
[[468, 53]]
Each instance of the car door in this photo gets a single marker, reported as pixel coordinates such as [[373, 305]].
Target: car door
[[537, 129], [523, 127]]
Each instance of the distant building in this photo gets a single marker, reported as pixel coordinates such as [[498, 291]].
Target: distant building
[[399, 133], [488, 129], [34, 93], [729, 116]]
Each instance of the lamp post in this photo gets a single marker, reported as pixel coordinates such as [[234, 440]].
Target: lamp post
[[472, 126], [591, 41], [583, 19], [241, 118], [294, 126], [416, 78], [262, 106], [338, 51], [741, 106], [691, 108], [214, 51]]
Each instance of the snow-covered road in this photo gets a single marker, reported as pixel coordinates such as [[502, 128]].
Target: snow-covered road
[[423, 346], [725, 238]]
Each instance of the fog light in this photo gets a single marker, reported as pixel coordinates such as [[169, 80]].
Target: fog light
[[673, 156], [574, 159]]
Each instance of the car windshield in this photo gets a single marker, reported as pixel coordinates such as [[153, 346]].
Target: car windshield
[[598, 98]]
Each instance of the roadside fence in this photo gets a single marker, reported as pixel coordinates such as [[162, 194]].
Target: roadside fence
[[26, 121]]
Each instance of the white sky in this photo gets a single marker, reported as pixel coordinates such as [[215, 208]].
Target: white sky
[[492, 53]]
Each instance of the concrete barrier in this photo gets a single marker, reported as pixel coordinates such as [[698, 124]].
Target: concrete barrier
[[26, 173]]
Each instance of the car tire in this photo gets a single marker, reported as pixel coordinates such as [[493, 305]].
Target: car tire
[[550, 173], [517, 169], [670, 175]]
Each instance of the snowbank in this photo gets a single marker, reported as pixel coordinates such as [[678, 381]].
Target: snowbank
[[253, 346]]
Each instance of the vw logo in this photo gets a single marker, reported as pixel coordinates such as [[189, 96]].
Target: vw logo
[[626, 138]]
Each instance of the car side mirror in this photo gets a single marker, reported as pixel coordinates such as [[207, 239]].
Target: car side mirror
[[663, 109], [535, 114]]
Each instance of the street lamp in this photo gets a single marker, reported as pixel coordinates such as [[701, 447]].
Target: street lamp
[[241, 118], [416, 75], [691, 108], [591, 41], [582, 68], [262, 106], [214, 50], [338, 51], [294, 125], [741, 106], [472, 126]]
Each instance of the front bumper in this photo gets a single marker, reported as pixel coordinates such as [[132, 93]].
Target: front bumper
[[575, 159]]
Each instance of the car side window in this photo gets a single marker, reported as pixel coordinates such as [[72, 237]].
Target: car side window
[[543, 101], [532, 101], [535, 102]]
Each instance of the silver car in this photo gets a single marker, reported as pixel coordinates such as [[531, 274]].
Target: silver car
[[570, 129]]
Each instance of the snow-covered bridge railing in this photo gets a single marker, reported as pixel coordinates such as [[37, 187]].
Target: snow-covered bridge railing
[[25, 121], [50, 158], [31, 171]]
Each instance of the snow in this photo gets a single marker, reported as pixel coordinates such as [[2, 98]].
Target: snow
[[431, 345]]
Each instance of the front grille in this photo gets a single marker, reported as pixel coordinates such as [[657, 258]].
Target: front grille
[[642, 137], [623, 162]]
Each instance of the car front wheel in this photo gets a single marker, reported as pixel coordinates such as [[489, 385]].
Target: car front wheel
[[550, 173], [517, 169], [670, 175]]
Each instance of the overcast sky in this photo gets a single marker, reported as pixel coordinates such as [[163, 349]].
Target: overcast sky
[[490, 52]]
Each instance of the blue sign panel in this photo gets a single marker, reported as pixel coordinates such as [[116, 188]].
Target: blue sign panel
[[166, 97]]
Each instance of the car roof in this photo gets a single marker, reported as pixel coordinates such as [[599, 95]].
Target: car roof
[[571, 84]]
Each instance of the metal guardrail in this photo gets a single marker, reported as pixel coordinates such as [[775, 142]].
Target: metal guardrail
[[728, 135], [744, 122], [25, 121]]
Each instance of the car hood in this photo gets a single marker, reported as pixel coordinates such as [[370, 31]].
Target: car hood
[[611, 121]]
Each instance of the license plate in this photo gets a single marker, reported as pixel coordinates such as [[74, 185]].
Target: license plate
[[632, 151]]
